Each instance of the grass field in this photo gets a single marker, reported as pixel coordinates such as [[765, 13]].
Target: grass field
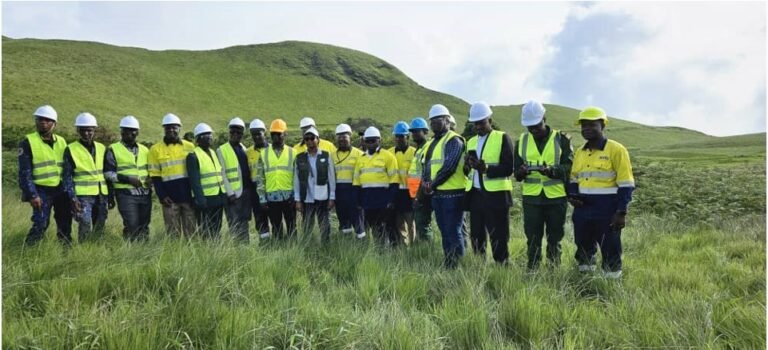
[[689, 283]]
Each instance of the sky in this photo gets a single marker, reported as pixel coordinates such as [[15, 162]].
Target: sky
[[697, 65]]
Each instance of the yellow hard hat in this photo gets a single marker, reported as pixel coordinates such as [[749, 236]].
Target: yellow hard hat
[[592, 113], [278, 125]]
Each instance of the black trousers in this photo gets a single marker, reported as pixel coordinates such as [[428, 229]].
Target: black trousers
[[535, 217], [317, 210], [209, 221], [279, 212], [489, 216], [381, 223], [261, 216]]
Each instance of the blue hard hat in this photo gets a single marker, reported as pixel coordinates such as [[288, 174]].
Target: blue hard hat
[[401, 128], [419, 123]]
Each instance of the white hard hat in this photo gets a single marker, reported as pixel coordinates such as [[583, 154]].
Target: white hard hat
[[171, 118], [202, 128], [342, 128], [312, 131], [85, 119], [47, 112], [306, 121], [237, 122], [258, 124], [438, 111], [479, 111], [129, 121], [371, 132], [532, 113]]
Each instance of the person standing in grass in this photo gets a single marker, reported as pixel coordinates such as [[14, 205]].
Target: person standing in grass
[[543, 163], [489, 164], [237, 181], [600, 189], [422, 203], [275, 166], [168, 170], [125, 167], [84, 180], [314, 186], [41, 159], [444, 179], [403, 203], [258, 133], [207, 182], [344, 159]]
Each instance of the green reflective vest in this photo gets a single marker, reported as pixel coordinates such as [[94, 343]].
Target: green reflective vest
[[210, 173], [129, 164], [535, 182], [88, 170], [457, 180], [278, 170], [47, 161], [491, 154]]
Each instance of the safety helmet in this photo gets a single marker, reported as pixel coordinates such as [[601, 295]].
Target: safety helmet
[[85, 119], [47, 112], [312, 131], [278, 125], [258, 124], [129, 121], [236, 121], [418, 123], [343, 128], [171, 118], [371, 132], [202, 128], [592, 113], [532, 113], [306, 121], [401, 128], [479, 111], [438, 110]]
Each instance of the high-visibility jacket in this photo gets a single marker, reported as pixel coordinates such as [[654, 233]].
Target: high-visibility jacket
[[457, 180], [233, 175], [47, 161], [376, 171], [602, 171], [344, 164], [278, 170], [88, 170], [416, 169], [129, 164], [491, 155], [324, 145], [404, 160], [211, 179], [169, 161], [535, 182]]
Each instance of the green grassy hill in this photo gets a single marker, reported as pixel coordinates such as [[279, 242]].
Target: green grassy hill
[[287, 80]]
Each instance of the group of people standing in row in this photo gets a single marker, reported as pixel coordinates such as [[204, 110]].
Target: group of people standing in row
[[391, 193]]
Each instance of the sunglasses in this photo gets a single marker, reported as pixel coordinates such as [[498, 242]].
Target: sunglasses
[[371, 140], [309, 138]]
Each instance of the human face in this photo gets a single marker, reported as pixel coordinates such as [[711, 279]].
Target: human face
[[311, 141], [372, 143], [44, 125], [344, 141], [86, 134], [278, 138], [592, 129], [401, 141], [539, 130], [128, 135], [236, 134], [258, 136], [205, 140], [418, 135], [172, 131], [439, 124], [483, 127]]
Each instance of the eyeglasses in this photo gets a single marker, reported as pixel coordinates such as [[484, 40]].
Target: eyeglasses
[[309, 138]]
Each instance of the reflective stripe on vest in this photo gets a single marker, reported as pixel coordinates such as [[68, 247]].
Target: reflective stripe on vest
[[88, 170], [457, 180], [529, 152], [47, 161], [170, 161], [404, 160], [231, 166], [210, 173], [279, 170], [491, 154], [129, 164], [344, 164]]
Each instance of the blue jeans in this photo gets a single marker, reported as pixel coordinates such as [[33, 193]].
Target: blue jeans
[[450, 220], [93, 216], [57, 200], [349, 215]]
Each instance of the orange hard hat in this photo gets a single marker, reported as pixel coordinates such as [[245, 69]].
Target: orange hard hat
[[278, 125]]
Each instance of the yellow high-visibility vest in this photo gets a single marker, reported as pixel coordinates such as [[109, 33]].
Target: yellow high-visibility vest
[[254, 160], [491, 154], [535, 182], [602, 171], [404, 160], [210, 173], [278, 170], [129, 164], [47, 161], [416, 169], [457, 180], [376, 171], [88, 170], [231, 167], [169, 161], [344, 164]]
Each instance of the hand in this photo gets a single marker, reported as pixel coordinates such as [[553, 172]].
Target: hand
[[331, 204], [471, 161], [619, 221], [481, 166], [36, 203], [545, 170], [575, 202], [111, 203], [299, 207], [135, 182], [167, 201], [76, 207], [522, 172], [427, 187]]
